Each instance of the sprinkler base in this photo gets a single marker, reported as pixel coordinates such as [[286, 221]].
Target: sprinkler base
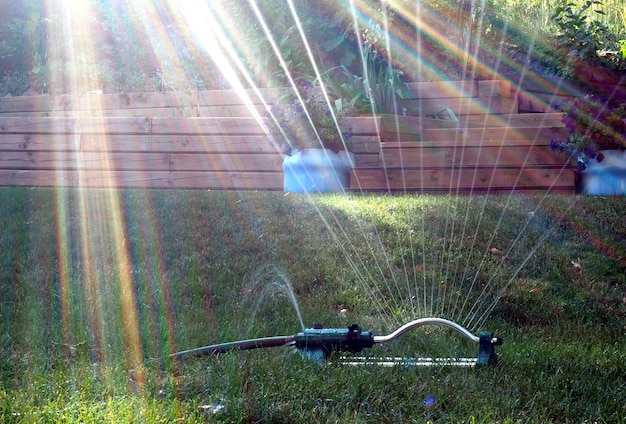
[[486, 349]]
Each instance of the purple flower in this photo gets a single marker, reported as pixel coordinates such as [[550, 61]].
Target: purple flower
[[555, 144], [590, 152]]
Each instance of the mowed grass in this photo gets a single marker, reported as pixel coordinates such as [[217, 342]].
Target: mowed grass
[[98, 287]]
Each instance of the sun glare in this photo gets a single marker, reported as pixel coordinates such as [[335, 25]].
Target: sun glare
[[217, 35], [415, 35]]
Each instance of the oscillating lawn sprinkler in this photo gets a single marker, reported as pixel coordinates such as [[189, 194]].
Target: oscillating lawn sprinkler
[[319, 343]]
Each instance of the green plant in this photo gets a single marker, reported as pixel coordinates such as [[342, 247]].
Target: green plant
[[579, 35], [383, 83], [581, 38], [307, 118], [377, 90]]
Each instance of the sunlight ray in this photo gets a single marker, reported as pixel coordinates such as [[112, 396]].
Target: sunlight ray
[[204, 23], [389, 39], [64, 264], [102, 232]]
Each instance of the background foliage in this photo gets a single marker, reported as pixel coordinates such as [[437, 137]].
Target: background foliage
[[145, 47]]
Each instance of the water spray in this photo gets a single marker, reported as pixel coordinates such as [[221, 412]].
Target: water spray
[[318, 343]]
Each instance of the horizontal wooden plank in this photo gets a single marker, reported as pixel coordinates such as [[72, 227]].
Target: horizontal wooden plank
[[140, 161], [213, 144], [178, 143], [114, 125], [442, 179], [188, 111], [363, 125], [29, 104], [489, 88], [115, 142], [145, 143], [125, 101], [152, 100], [63, 160], [129, 102], [30, 125], [235, 97], [42, 142], [513, 120], [367, 160], [130, 125], [210, 98], [495, 134], [364, 144], [33, 125], [504, 120], [398, 124], [140, 179], [226, 162], [366, 125], [207, 126], [510, 156], [227, 180], [461, 106], [443, 89], [538, 102], [231, 111]]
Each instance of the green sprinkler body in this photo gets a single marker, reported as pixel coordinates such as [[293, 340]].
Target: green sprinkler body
[[329, 340]]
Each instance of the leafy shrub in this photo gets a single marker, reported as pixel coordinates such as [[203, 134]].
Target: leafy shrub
[[580, 37]]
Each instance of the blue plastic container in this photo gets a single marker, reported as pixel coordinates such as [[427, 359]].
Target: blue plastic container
[[317, 171], [607, 177]]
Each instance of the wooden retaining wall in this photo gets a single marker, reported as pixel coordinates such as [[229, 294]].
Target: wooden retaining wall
[[486, 153], [216, 140], [208, 140]]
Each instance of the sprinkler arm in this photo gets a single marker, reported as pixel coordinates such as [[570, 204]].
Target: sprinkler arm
[[427, 321], [486, 341]]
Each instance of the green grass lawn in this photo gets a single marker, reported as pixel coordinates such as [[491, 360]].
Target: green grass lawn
[[98, 287]]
